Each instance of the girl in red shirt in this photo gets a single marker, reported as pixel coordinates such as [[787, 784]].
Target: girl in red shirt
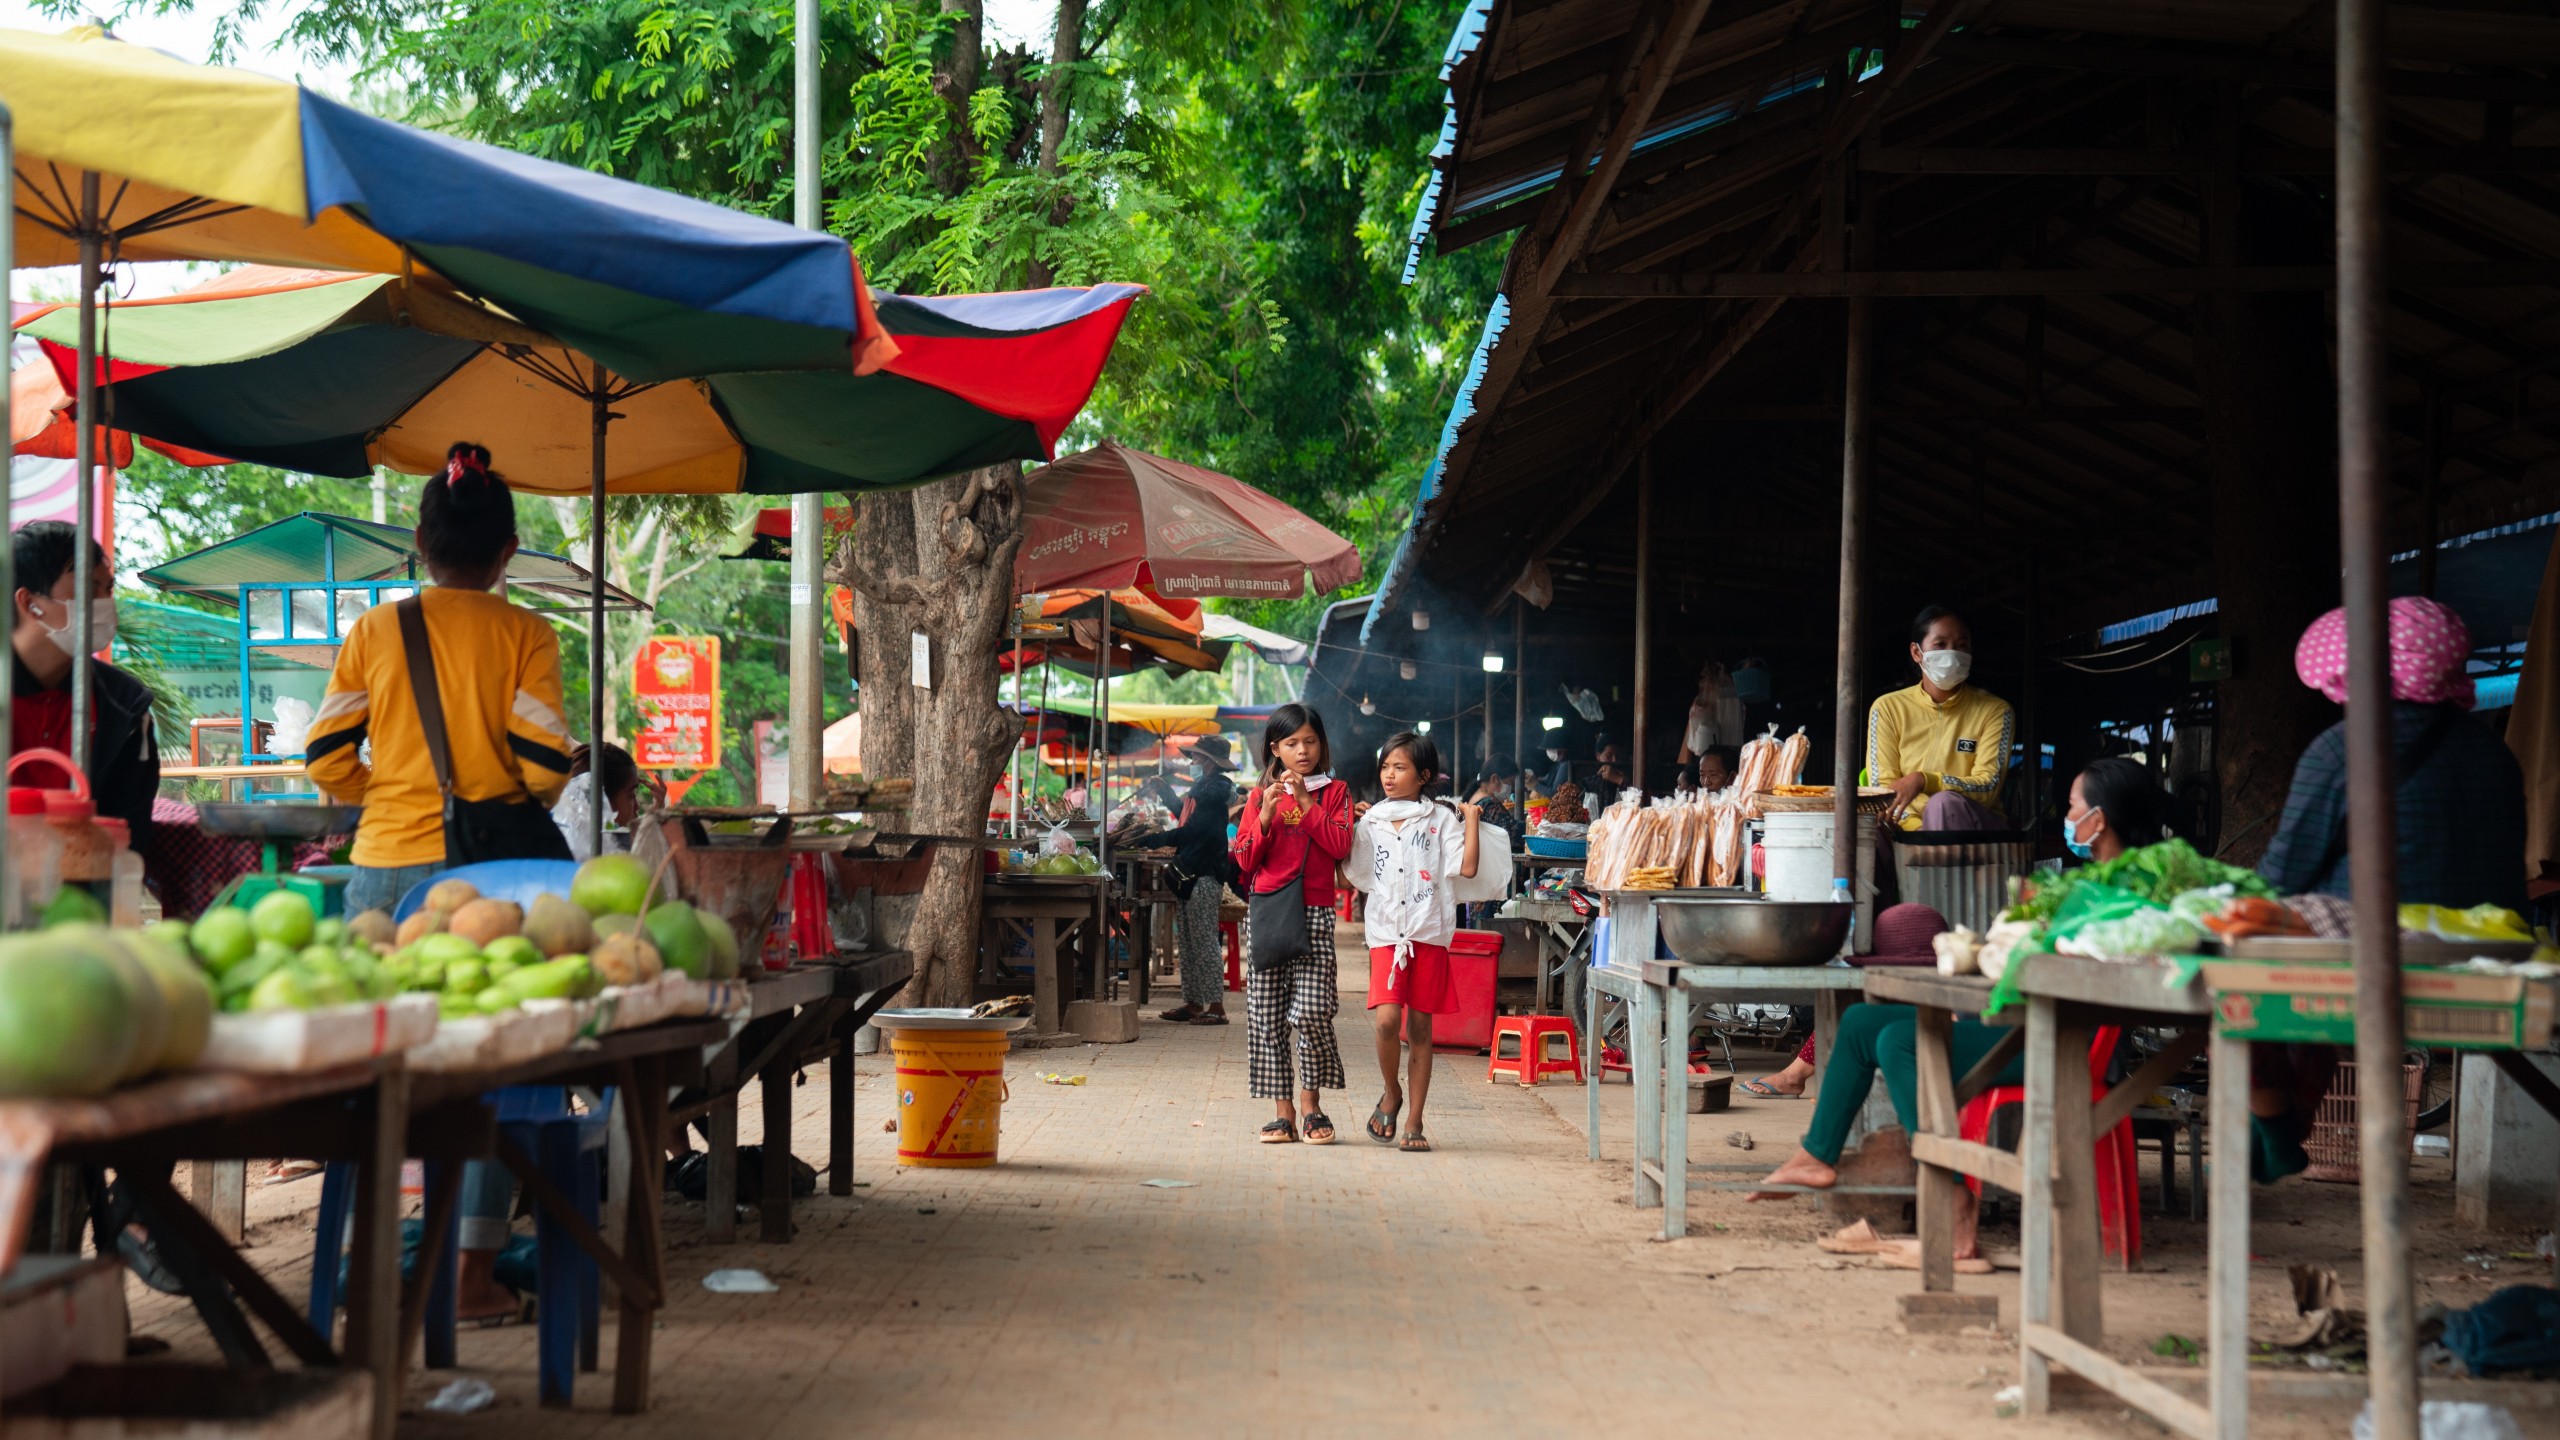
[[1296, 826]]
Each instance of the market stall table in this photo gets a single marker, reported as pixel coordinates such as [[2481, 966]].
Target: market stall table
[[819, 1004], [354, 1112], [1143, 881], [450, 1121], [2067, 999], [1563, 937], [1055, 912], [1658, 995]]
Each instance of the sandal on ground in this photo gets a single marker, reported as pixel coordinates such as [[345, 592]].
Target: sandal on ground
[[1315, 1120], [1906, 1256], [1208, 1017], [1279, 1132], [1766, 1091], [1855, 1238], [1382, 1123], [1414, 1144], [1182, 1014]]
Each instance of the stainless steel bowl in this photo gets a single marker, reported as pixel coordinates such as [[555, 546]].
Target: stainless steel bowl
[[1754, 932]]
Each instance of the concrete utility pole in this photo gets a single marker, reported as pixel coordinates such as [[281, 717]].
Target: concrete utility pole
[[808, 512]]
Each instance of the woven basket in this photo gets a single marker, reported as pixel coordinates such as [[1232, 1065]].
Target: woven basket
[[1871, 800]]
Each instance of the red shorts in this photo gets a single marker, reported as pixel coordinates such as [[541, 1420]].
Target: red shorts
[[1423, 985]]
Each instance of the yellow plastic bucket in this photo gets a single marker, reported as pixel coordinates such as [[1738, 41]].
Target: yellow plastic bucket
[[951, 1095]]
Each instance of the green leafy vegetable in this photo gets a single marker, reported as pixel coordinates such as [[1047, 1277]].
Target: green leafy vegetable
[[2157, 873]]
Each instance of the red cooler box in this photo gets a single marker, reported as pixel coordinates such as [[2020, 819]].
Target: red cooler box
[[1474, 958]]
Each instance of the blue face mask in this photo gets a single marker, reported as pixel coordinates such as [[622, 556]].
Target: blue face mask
[[2080, 849]]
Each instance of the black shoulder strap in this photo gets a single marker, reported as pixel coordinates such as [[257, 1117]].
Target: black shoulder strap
[[422, 683]]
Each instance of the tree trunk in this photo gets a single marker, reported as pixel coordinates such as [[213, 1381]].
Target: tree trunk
[[2270, 422], [1064, 53], [955, 80], [939, 560]]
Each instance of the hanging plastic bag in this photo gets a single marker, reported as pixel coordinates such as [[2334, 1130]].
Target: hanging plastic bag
[[293, 726]]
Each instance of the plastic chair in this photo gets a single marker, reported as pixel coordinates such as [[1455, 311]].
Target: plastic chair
[[1235, 955], [2119, 1186], [568, 1290]]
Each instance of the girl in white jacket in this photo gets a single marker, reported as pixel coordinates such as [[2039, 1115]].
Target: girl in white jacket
[[1405, 852]]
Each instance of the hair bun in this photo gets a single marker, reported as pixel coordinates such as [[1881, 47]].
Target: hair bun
[[465, 460]]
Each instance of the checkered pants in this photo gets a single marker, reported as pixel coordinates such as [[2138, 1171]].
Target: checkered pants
[[1294, 1004], [1204, 962]]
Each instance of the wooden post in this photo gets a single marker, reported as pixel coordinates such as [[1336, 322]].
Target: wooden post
[[1520, 704], [2227, 1244], [220, 1189], [2364, 507], [1856, 461], [1644, 616], [2036, 1248], [373, 1262], [720, 1167]]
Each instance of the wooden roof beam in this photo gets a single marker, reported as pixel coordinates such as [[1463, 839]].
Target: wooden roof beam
[[2176, 280], [2255, 160], [2098, 56]]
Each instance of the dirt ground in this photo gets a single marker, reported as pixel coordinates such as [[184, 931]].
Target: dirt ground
[[1296, 1290]]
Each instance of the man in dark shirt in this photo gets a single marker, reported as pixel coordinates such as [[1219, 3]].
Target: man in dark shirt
[[1199, 844], [124, 747]]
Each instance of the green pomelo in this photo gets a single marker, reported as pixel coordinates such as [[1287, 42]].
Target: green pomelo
[[66, 1024], [610, 885]]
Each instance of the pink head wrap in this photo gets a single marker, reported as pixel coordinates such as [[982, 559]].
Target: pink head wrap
[[2429, 648]]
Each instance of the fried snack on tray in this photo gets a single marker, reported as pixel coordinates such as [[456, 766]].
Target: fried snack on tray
[[1799, 791], [1649, 877], [1565, 806]]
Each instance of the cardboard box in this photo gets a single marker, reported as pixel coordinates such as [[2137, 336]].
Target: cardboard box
[[57, 1311], [2314, 1003]]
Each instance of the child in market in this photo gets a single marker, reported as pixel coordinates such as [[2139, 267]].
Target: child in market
[[1296, 827], [1406, 852]]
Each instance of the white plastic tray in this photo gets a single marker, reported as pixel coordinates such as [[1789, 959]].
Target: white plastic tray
[[294, 1042]]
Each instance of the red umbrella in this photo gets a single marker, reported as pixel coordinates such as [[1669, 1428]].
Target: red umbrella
[[1112, 517]]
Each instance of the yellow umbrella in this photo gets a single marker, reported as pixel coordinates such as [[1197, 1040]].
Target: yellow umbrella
[[1158, 719]]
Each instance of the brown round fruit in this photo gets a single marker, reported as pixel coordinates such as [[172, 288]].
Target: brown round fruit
[[451, 894], [421, 925], [482, 921], [373, 927]]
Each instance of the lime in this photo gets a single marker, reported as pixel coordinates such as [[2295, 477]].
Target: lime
[[72, 905], [285, 918], [221, 938], [283, 990]]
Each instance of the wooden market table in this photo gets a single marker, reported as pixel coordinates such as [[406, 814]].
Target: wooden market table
[[2067, 999], [809, 1011], [1563, 937], [1142, 882], [1658, 995], [1059, 913], [356, 1112], [451, 1122]]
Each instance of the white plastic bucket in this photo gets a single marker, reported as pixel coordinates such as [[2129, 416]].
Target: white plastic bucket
[[1797, 847]]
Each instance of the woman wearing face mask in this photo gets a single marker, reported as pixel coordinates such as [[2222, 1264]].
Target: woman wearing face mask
[[2115, 807], [124, 750], [1942, 745]]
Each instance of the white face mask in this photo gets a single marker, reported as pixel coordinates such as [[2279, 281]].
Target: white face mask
[[1946, 669], [102, 625]]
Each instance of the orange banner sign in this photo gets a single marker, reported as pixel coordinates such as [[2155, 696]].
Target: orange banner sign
[[677, 682]]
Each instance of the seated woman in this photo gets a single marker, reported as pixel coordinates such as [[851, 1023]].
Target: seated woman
[[1941, 745], [2460, 830], [2115, 807]]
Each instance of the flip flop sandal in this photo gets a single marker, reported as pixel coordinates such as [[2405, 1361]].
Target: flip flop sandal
[[1767, 1091], [1208, 1017], [1181, 1015], [1382, 1124], [1908, 1258], [1414, 1144], [1279, 1132], [1856, 1238], [1313, 1122]]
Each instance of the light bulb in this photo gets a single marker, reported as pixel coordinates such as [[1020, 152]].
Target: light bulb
[[1550, 722], [1492, 663], [1366, 708], [1421, 727], [1421, 619], [1407, 670]]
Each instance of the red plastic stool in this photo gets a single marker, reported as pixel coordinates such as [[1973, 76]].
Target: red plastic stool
[[1235, 955], [2119, 1188], [1533, 1058]]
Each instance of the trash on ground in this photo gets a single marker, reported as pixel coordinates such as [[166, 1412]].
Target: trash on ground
[[2516, 1330], [2176, 1347], [738, 1282], [1170, 1184], [461, 1398], [2322, 1320], [1051, 1077], [2010, 1401], [1741, 1140], [2451, 1420]]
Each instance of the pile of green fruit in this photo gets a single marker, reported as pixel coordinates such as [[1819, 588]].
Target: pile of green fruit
[[478, 955], [84, 1009]]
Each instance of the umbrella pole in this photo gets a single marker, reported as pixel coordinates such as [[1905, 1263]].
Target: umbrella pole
[[85, 483], [598, 416], [1102, 726], [1013, 762]]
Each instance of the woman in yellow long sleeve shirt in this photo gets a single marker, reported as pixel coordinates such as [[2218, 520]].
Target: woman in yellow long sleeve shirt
[[1943, 745], [497, 667]]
